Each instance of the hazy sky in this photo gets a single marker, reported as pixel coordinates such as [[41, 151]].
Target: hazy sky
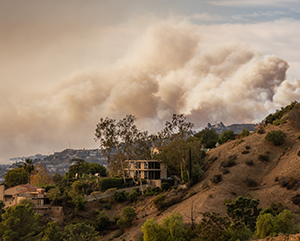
[[66, 64]]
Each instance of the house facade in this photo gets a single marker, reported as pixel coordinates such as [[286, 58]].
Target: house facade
[[146, 169], [14, 195]]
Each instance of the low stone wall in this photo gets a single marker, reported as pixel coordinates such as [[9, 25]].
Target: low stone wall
[[101, 195]]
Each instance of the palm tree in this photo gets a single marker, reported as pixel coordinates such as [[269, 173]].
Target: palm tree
[[28, 167]]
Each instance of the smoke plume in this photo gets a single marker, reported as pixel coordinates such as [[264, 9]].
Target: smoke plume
[[168, 69]]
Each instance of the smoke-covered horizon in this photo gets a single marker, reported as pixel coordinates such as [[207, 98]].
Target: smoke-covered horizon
[[170, 67]]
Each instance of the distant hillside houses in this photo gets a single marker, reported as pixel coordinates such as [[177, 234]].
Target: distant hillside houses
[[236, 128]]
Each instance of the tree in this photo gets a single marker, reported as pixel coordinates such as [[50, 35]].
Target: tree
[[227, 135], [120, 140], [244, 209], [172, 142], [53, 232], [269, 224], [40, 176], [16, 177], [245, 133], [28, 167], [80, 232], [2, 205], [77, 166], [82, 167], [209, 137], [171, 229], [20, 223]]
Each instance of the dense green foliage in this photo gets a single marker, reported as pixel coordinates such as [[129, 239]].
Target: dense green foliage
[[269, 224], [85, 167], [20, 223], [227, 135], [279, 113], [245, 133], [16, 177], [171, 229], [244, 209], [276, 137], [209, 137], [129, 215]]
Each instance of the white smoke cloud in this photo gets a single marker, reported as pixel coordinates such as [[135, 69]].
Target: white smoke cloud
[[168, 69]]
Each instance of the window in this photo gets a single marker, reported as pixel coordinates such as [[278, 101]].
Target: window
[[145, 174], [145, 165]]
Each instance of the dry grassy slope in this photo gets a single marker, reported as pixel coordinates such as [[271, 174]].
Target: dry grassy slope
[[284, 162]]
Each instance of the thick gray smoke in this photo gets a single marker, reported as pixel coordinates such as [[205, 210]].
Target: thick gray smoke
[[167, 70]]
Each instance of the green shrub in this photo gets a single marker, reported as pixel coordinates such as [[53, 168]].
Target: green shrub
[[245, 132], [129, 215], [165, 186], [120, 196], [249, 162], [298, 137], [270, 225], [158, 201], [89, 191], [118, 233], [122, 223], [107, 206], [251, 182], [276, 137], [227, 135], [107, 183], [261, 130], [216, 178], [102, 222], [225, 170], [116, 217], [264, 157], [284, 182]]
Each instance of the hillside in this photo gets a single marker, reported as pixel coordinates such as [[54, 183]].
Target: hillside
[[283, 166]]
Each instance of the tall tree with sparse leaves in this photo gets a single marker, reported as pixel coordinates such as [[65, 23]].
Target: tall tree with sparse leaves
[[172, 142]]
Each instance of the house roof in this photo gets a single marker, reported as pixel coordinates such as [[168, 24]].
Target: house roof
[[29, 188]]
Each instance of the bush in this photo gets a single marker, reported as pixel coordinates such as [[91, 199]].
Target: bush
[[165, 186], [276, 137], [158, 201], [129, 215], [102, 222], [216, 178], [249, 162], [227, 135], [107, 183], [107, 206], [245, 152], [225, 171], [247, 147], [120, 196], [264, 157], [245, 132], [284, 182], [251, 182], [89, 191], [116, 217], [261, 130]]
